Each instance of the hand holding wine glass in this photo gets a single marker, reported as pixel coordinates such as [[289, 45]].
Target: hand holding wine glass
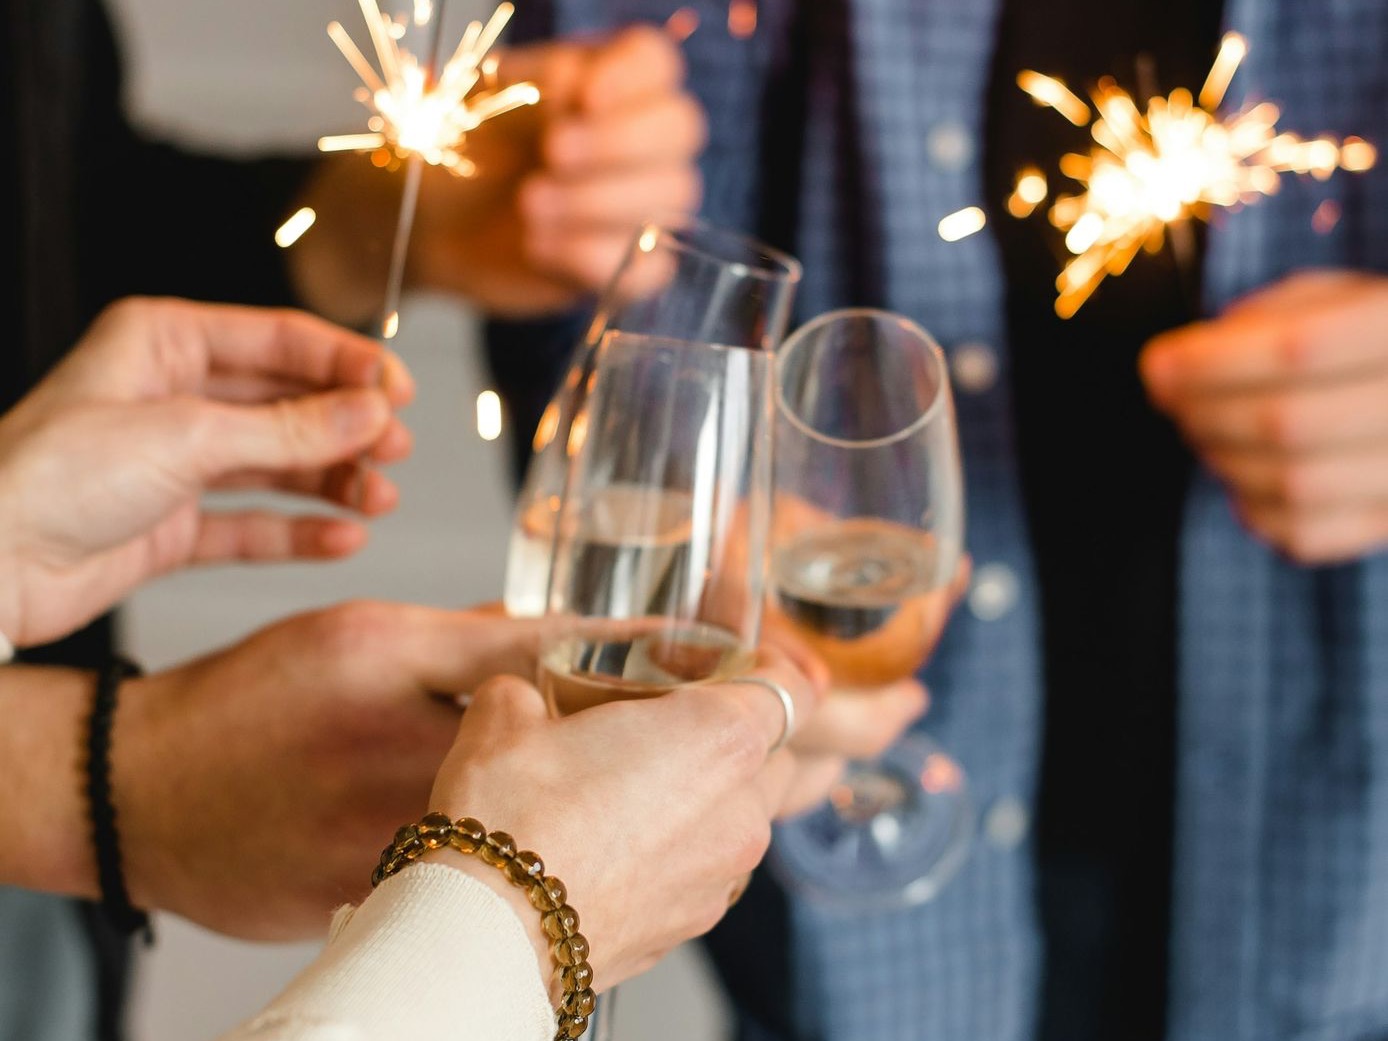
[[656, 581], [867, 564], [658, 565]]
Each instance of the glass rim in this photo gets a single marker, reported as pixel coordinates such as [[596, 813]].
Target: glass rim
[[773, 265], [805, 332]]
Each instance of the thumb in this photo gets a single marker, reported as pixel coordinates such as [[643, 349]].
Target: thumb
[[502, 706], [302, 433]]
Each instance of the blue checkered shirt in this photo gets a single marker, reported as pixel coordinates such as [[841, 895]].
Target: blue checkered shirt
[[1280, 905]]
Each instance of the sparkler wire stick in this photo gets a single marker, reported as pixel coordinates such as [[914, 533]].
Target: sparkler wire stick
[[422, 111], [409, 203]]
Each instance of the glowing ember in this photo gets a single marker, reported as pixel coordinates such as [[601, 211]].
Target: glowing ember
[[414, 112], [1173, 162], [962, 223], [292, 229], [489, 423], [1031, 192]]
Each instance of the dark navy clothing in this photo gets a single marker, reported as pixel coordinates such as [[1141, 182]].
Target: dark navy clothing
[[1279, 817]]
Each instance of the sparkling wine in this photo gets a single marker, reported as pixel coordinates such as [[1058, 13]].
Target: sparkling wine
[[868, 595], [631, 542], [643, 658]]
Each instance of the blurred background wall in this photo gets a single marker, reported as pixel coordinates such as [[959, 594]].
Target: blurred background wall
[[259, 75]]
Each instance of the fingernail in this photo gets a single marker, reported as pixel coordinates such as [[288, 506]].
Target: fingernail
[[355, 412], [376, 373], [396, 380], [356, 496]]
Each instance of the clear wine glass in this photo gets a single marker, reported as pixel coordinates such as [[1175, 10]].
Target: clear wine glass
[[659, 564], [866, 542], [681, 279]]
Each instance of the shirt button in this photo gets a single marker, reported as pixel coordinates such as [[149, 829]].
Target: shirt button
[[975, 367], [995, 592], [1006, 823], [950, 146]]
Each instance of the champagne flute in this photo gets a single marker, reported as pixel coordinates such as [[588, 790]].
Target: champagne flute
[[682, 279], [659, 563], [866, 543]]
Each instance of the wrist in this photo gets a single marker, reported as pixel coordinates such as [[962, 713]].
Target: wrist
[[43, 818]]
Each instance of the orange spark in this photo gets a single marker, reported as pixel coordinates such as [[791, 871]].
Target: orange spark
[[414, 112], [1171, 161]]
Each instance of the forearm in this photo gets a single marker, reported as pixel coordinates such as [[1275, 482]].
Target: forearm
[[430, 953], [44, 835]]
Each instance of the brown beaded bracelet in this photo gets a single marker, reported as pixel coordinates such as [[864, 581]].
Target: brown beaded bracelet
[[525, 870]]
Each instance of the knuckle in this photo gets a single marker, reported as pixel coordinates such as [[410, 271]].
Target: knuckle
[[349, 627], [757, 843], [690, 190], [728, 726], [744, 744], [292, 426], [1281, 424], [1303, 543], [654, 46], [1295, 484], [1296, 346], [695, 122], [709, 914]]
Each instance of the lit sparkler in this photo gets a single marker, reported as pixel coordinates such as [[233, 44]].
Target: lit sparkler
[[1148, 171], [422, 112], [413, 111]]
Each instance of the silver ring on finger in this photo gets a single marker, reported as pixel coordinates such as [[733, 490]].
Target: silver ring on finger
[[787, 706]]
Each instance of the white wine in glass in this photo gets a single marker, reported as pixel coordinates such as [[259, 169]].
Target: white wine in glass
[[869, 596], [657, 577], [682, 279], [866, 547]]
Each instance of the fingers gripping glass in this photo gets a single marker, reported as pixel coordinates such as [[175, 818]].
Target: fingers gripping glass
[[659, 565], [683, 280], [867, 538]]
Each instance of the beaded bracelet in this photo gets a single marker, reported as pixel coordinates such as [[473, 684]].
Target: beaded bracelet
[[115, 899], [525, 870]]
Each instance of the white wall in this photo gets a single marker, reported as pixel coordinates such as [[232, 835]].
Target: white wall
[[262, 74]]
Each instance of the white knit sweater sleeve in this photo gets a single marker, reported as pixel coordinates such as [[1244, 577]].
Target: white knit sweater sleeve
[[431, 953]]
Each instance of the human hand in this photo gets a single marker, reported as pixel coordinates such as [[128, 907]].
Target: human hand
[[103, 464], [1285, 398], [561, 188], [652, 812], [256, 787], [860, 717]]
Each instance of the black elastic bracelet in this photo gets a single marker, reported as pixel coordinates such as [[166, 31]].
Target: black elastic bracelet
[[115, 901]]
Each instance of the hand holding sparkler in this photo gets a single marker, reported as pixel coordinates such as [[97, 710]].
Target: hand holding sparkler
[[1285, 398], [561, 191], [555, 194]]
